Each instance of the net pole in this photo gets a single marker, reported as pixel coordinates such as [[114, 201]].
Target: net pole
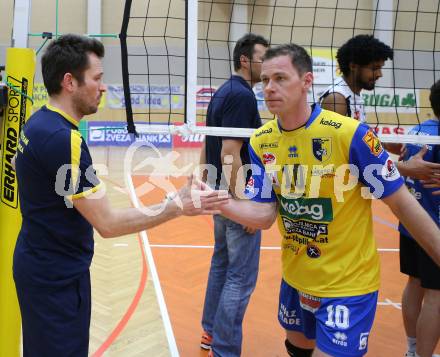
[[191, 29], [125, 75], [94, 18], [383, 19], [22, 15]]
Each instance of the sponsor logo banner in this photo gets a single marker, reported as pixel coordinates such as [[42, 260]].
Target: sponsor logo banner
[[391, 129], [389, 171], [13, 121], [313, 251], [269, 158], [204, 95], [188, 141], [304, 228], [330, 122], [381, 100], [105, 133], [309, 302], [388, 100], [314, 209], [263, 132], [268, 145], [144, 96], [294, 238], [41, 97]]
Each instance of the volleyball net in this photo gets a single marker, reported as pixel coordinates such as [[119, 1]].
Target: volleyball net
[[181, 52]]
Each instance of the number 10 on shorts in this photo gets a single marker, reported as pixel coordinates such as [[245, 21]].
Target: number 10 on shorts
[[338, 316]]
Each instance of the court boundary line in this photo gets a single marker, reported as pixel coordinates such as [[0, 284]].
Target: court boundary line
[[188, 246], [155, 277]]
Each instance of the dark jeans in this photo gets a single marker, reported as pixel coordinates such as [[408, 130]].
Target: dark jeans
[[232, 279]]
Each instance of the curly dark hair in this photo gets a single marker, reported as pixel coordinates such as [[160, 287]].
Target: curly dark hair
[[362, 50], [68, 54], [434, 98]]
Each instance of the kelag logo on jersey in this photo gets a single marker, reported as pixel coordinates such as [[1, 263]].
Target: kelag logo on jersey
[[330, 122], [322, 148], [315, 209], [263, 131]]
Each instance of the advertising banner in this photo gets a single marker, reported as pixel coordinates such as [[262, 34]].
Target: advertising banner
[[144, 96], [109, 133], [41, 97]]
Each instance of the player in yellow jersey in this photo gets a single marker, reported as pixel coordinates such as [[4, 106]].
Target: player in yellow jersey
[[316, 171]]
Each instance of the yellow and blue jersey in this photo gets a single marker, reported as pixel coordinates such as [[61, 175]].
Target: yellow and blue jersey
[[54, 167], [323, 175]]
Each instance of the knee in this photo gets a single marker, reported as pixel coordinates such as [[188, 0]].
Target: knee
[[432, 298], [413, 283], [294, 351]]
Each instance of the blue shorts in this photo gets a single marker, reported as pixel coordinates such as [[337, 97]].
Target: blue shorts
[[340, 325], [56, 321]]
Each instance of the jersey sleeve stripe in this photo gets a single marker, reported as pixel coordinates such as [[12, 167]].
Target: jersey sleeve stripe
[[75, 156], [87, 192]]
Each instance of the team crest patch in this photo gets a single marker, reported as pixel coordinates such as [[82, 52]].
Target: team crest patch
[[322, 148], [373, 143]]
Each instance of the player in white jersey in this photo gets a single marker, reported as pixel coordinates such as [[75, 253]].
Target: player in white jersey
[[360, 60], [353, 105]]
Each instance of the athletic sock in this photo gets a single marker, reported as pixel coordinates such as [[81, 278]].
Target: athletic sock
[[411, 341]]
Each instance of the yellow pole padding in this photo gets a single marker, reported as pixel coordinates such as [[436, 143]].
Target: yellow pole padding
[[20, 70]]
